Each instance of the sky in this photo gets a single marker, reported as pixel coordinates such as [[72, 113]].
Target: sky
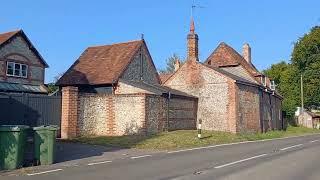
[[61, 30]]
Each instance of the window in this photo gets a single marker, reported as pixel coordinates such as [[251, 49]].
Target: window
[[273, 86], [264, 80], [17, 70]]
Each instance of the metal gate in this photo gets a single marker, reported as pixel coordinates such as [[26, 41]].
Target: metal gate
[[29, 109]]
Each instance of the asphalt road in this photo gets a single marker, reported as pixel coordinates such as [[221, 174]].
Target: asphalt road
[[293, 159]]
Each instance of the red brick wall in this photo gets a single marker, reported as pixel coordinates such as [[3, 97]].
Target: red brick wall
[[69, 112], [249, 111], [232, 107]]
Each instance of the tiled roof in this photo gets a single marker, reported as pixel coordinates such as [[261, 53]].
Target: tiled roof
[[224, 55], [101, 64], [164, 77], [239, 72], [158, 89], [4, 37], [235, 76], [14, 87]]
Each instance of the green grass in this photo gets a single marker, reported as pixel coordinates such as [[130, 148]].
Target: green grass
[[188, 138]]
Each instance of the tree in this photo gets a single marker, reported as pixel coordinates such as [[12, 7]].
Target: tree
[[170, 64], [52, 86], [305, 60], [283, 75]]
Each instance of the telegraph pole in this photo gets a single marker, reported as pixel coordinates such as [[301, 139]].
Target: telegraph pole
[[302, 103]]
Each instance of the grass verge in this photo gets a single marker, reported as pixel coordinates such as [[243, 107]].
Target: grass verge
[[188, 138]]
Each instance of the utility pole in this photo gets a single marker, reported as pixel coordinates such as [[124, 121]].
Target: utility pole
[[302, 103]]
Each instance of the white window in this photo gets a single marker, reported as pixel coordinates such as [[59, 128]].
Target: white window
[[273, 86], [17, 70], [264, 80]]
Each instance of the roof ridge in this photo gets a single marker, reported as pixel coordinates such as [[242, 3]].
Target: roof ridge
[[119, 43], [14, 31]]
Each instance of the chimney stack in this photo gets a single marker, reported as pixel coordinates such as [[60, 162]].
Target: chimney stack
[[176, 65], [246, 52], [193, 43]]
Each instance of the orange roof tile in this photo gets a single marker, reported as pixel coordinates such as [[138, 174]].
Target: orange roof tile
[[101, 64]]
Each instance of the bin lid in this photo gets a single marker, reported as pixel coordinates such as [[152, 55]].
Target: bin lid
[[13, 128], [49, 127]]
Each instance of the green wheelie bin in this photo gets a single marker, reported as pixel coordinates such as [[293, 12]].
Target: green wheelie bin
[[12, 146], [44, 144]]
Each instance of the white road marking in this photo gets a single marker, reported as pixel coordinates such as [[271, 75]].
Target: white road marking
[[243, 142], [235, 162], [207, 147], [45, 172], [102, 162], [314, 141], [137, 157], [286, 148]]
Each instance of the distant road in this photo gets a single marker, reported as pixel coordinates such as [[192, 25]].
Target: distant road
[[286, 159]]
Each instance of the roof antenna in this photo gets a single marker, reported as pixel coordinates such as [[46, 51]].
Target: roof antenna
[[193, 8], [142, 36]]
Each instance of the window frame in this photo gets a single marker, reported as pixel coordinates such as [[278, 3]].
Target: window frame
[[264, 81], [14, 69]]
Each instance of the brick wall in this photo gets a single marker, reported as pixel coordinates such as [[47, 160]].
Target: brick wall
[[211, 88], [18, 51], [249, 111], [117, 115], [266, 111], [69, 112]]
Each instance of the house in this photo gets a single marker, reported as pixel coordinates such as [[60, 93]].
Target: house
[[22, 68], [115, 90], [309, 119], [233, 95]]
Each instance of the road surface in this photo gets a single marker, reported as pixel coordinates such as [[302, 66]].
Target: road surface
[[286, 159]]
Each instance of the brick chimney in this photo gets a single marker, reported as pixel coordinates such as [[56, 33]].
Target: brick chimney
[[246, 52], [176, 65], [193, 51]]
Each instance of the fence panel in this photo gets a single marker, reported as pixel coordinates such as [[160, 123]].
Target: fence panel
[[31, 110]]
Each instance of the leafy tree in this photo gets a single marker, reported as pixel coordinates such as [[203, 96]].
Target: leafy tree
[[52, 86], [170, 64], [305, 61]]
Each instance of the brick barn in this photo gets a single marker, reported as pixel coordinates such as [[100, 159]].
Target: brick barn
[[233, 95], [115, 90]]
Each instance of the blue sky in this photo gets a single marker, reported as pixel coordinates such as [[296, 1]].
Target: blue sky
[[61, 29]]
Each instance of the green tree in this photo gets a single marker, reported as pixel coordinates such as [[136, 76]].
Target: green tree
[[170, 63], [284, 74], [305, 60], [52, 86]]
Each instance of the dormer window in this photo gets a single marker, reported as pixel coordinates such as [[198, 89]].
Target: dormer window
[[17, 70]]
